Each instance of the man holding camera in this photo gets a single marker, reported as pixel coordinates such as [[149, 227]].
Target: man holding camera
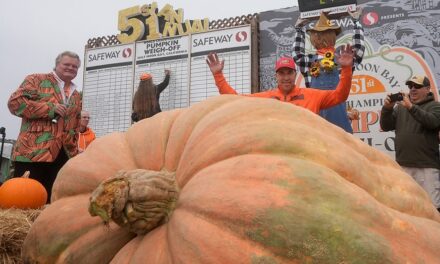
[[49, 106], [415, 117]]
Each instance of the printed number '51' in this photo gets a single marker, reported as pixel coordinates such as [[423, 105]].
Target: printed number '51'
[[127, 21]]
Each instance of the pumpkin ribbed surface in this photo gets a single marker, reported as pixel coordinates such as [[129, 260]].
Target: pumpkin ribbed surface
[[253, 181]]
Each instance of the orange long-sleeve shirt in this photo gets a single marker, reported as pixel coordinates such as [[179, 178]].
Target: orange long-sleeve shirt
[[85, 138], [312, 99]]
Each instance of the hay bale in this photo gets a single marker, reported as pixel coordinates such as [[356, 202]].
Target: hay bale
[[15, 225]]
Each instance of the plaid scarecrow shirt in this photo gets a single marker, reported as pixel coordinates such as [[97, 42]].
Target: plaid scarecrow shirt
[[305, 61]]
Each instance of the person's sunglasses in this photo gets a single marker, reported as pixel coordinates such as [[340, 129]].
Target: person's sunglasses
[[416, 86]]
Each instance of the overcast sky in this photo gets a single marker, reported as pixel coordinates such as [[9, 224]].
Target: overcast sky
[[33, 33]]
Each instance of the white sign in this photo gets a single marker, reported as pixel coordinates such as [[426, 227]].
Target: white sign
[[108, 92], [112, 74], [239, 37], [331, 10], [154, 57], [233, 46]]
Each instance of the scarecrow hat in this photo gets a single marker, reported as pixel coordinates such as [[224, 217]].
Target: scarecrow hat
[[324, 24]]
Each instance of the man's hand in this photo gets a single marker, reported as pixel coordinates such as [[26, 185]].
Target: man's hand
[[353, 114], [60, 109], [388, 104], [406, 102], [356, 14], [167, 72], [345, 56], [215, 64]]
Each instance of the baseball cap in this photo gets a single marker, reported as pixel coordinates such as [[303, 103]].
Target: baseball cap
[[285, 62], [419, 79]]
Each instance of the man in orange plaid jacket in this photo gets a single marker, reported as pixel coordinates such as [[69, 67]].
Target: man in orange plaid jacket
[[49, 106]]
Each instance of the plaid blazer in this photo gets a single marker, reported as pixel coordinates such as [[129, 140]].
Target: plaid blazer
[[40, 140]]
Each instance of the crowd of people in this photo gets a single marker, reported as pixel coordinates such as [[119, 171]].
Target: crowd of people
[[55, 127]]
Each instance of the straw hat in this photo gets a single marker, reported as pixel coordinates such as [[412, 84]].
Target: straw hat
[[324, 24]]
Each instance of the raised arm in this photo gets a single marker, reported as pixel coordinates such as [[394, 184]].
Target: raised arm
[[303, 60], [345, 59], [358, 37], [161, 86], [216, 67]]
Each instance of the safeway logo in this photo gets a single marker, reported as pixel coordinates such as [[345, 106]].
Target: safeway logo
[[371, 18], [126, 53], [241, 36]]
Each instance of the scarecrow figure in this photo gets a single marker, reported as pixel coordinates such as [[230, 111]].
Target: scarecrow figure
[[320, 70]]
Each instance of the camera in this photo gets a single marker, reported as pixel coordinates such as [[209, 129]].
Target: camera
[[396, 97]]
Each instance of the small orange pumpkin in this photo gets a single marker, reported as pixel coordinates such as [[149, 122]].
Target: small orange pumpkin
[[22, 193]]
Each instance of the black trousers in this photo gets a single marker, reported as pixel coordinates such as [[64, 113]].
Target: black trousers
[[44, 172]]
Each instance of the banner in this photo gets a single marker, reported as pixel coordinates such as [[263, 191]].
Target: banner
[[313, 8], [401, 38]]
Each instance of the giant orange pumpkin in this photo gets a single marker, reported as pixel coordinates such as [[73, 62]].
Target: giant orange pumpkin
[[235, 180], [22, 193]]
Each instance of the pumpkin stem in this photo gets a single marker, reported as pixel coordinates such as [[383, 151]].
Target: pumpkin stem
[[139, 199]]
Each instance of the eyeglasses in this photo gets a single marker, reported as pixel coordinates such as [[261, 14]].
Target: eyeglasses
[[416, 86]]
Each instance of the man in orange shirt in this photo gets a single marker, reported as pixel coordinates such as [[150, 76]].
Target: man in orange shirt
[[86, 134], [312, 99]]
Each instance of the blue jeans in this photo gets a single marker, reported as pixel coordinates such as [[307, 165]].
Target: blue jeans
[[337, 114]]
